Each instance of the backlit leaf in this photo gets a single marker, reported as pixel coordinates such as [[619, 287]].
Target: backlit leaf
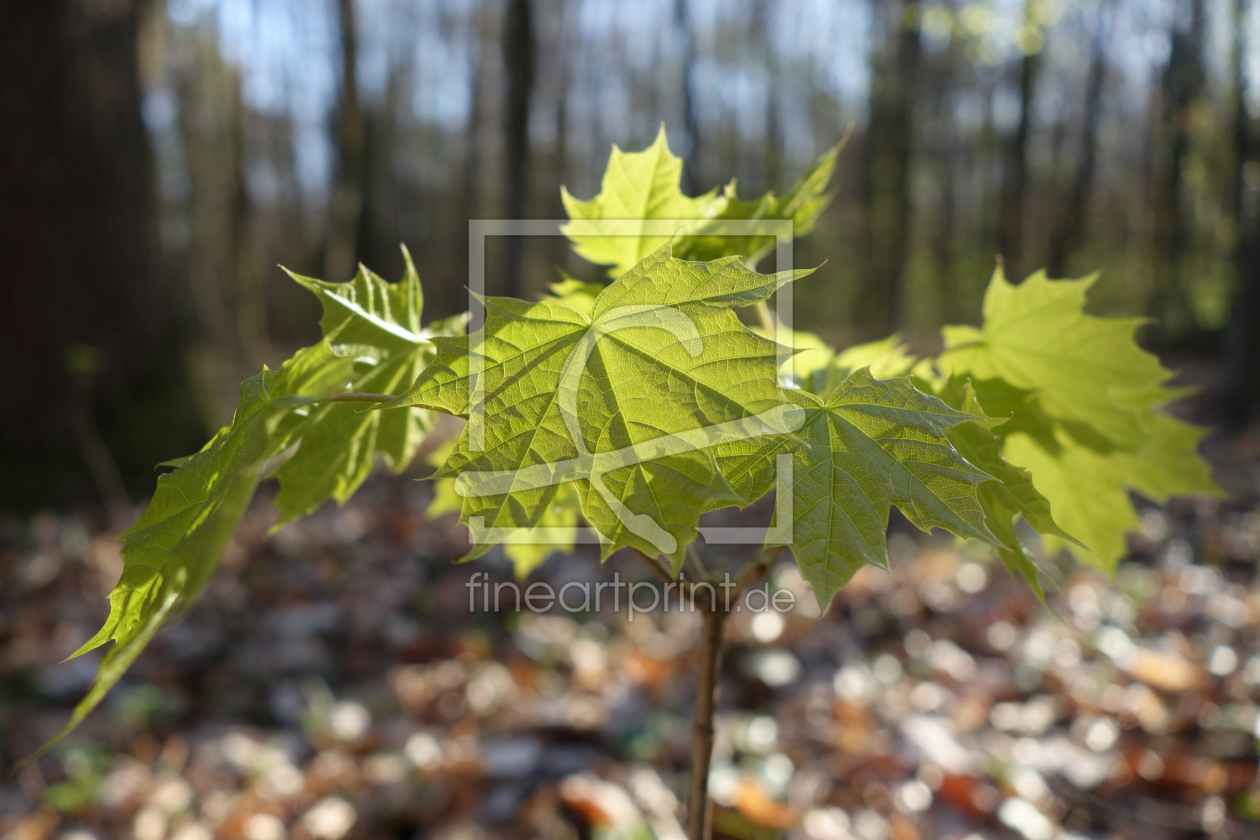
[[1078, 367], [172, 550], [624, 401], [373, 342], [640, 206], [871, 445], [613, 228], [1085, 406], [1012, 495], [377, 325], [802, 205]]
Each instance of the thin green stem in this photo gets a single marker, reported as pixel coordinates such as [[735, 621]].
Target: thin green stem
[[343, 397], [710, 671], [693, 554], [767, 318], [702, 729], [753, 571], [657, 567]]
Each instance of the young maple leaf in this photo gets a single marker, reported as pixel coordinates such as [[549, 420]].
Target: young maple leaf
[[377, 325], [173, 549], [638, 188], [870, 445], [1079, 368], [625, 400], [372, 342], [1012, 494], [1086, 408], [641, 206]]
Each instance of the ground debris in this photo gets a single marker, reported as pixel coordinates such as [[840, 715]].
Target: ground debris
[[333, 684]]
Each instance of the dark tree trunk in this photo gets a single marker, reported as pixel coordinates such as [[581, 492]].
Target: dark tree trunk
[[347, 198], [890, 144], [1242, 338], [559, 253], [1068, 231], [447, 295], [379, 232], [520, 64], [1015, 171], [251, 306], [773, 155], [682, 19], [1182, 85], [78, 246], [949, 159]]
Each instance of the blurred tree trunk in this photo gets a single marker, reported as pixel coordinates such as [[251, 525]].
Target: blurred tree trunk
[[225, 298], [562, 54], [520, 64], [773, 153], [1183, 85], [889, 147], [80, 249], [449, 296], [251, 307], [280, 235], [1015, 167], [379, 232], [1242, 337], [347, 197], [682, 20], [1068, 231], [942, 147]]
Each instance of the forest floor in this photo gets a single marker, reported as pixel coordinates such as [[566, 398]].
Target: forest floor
[[333, 683]]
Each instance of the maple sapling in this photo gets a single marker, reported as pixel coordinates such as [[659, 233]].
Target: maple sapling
[[638, 405]]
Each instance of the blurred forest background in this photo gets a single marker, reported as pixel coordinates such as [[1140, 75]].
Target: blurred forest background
[[158, 159]]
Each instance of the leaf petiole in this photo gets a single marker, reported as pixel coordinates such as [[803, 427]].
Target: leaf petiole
[[693, 555], [346, 397]]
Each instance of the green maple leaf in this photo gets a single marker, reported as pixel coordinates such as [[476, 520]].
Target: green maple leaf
[[445, 499], [1085, 405], [887, 359], [574, 292], [532, 547], [1089, 486], [376, 324], [171, 552], [1012, 495], [638, 187], [819, 369], [662, 370], [872, 444], [1168, 464], [641, 206], [1079, 368], [802, 205], [373, 342], [810, 358]]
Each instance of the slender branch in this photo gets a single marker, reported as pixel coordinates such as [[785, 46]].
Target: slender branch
[[702, 729], [756, 567], [357, 396], [767, 319], [698, 566], [343, 397], [662, 571], [710, 668], [657, 567]]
